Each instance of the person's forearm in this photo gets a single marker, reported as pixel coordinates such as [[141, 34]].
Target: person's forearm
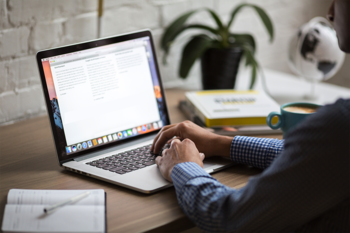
[[201, 197]]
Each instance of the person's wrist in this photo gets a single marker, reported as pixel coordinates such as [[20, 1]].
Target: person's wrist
[[222, 146], [169, 178]]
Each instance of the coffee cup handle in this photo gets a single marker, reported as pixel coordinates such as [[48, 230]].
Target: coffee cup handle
[[269, 120]]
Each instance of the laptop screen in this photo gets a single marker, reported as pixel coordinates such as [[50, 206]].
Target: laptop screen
[[104, 94]]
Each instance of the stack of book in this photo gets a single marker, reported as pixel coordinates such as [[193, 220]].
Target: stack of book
[[229, 112]]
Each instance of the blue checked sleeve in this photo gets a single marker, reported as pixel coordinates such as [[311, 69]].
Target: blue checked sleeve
[[201, 196], [256, 152]]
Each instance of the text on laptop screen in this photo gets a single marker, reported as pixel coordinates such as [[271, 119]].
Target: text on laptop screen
[[104, 94]]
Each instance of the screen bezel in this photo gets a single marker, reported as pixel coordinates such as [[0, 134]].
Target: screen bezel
[[88, 45]]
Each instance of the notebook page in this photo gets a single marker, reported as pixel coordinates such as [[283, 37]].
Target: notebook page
[[30, 218], [50, 197]]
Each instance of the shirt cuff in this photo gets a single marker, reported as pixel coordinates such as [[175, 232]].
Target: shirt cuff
[[183, 172], [256, 152]]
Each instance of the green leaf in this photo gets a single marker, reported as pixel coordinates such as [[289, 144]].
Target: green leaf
[[177, 27], [266, 20], [173, 29], [234, 13], [245, 40], [195, 26], [250, 60], [253, 78], [222, 30], [262, 14], [217, 19], [193, 50]]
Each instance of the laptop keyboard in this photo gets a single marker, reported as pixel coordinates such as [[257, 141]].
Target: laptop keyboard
[[126, 161]]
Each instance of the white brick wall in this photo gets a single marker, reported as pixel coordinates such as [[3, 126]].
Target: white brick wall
[[27, 26]]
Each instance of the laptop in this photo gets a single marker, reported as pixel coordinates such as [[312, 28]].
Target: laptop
[[106, 103]]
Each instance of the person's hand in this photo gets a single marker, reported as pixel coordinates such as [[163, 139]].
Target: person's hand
[[179, 152], [206, 142]]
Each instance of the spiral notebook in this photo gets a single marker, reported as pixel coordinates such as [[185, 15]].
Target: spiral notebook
[[24, 211]]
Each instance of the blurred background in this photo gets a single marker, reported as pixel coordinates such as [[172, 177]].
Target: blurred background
[[27, 26]]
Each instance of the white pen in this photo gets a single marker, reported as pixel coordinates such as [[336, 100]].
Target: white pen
[[51, 208]]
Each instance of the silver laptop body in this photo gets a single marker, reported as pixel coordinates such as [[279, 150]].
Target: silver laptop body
[[106, 104]]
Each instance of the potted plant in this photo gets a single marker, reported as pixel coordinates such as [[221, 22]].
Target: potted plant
[[220, 50]]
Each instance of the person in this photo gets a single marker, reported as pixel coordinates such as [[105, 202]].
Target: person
[[305, 184]]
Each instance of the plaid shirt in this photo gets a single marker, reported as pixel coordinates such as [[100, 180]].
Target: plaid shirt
[[306, 188]]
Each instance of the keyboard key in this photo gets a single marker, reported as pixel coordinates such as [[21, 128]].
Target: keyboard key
[[126, 170], [131, 167], [108, 167], [140, 165], [120, 172], [116, 168], [149, 163]]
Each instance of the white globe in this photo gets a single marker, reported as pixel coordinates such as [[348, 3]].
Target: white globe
[[314, 53]]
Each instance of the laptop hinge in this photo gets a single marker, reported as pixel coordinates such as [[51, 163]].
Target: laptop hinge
[[114, 148]]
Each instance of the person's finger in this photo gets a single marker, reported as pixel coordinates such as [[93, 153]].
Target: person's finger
[[202, 155], [187, 140], [157, 136], [175, 137], [174, 146], [174, 141], [158, 160], [163, 138]]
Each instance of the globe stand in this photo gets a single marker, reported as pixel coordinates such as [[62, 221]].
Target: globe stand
[[312, 95]]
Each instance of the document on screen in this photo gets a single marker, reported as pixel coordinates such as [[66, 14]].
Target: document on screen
[[105, 93]]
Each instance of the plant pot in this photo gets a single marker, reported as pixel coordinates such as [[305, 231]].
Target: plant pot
[[219, 68]]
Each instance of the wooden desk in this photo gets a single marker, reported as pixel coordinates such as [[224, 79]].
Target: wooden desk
[[28, 161]]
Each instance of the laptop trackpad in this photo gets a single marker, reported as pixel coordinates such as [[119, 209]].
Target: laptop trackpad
[[213, 164], [148, 178]]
